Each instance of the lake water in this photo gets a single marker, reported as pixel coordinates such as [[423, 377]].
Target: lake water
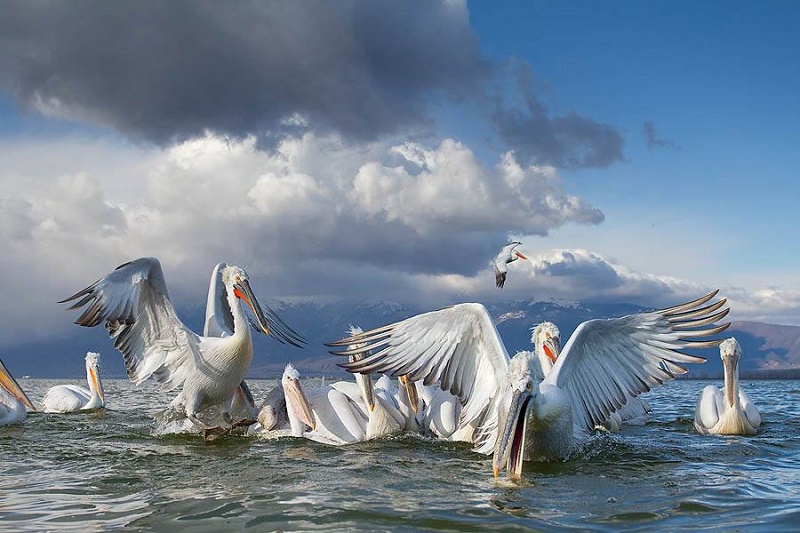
[[108, 470]]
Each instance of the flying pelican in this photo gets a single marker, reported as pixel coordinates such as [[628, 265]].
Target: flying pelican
[[14, 403], [507, 255], [512, 414], [134, 304], [71, 398], [730, 412]]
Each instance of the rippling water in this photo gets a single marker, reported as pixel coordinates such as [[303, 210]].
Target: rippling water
[[108, 470]]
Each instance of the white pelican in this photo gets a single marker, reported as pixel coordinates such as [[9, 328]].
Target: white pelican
[[507, 255], [546, 340], [344, 412], [14, 403], [728, 412], [219, 323], [134, 304], [71, 398], [511, 413]]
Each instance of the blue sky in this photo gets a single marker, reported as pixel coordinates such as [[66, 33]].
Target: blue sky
[[382, 150]]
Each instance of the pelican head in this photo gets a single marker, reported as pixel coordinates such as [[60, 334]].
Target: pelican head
[[93, 377], [730, 352], [365, 384], [296, 400], [510, 448], [237, 283], [547, 337]]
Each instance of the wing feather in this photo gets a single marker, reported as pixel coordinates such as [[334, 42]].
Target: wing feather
[[457, 346], [607, 362], [134, 304]]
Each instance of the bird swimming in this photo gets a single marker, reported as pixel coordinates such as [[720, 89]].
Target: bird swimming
[[14, 403], [512, 413], [71, 398], [729, 411], [134, 304]]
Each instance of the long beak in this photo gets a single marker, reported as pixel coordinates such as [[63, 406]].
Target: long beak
[[552, 347], [10, 384], [297, 401], [519, 255], [367, 389], [730, 381], [98, 385], [411, 392], [510, 447], [247, 396], [269, 322]]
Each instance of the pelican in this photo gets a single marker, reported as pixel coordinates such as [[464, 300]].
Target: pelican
[[546, 340], [134, 304], [728, 412], [507, 255], [14, 403], [219, 323], [344, 412], [71, 398], [510, 412]]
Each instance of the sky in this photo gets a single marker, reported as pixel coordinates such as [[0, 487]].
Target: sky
[[643, 152]]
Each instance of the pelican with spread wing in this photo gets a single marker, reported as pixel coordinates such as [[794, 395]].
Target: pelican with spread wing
[[133, 303], [507, 255], [546, 340], [14, 403], [508, 410]]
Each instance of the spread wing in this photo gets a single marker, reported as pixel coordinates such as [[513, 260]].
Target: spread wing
[[457, 346], [219, 318], [607, 362], [501, 264], [500, 273], [134, 304]]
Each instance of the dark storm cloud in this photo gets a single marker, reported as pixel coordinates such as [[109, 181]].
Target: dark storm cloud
[[569, 141], [164, 71], [652, 138]]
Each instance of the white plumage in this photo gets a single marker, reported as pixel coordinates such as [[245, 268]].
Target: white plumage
[[14, 403], [507, 255], [71, 398], [509, 411], [133, 303], [729, 411]]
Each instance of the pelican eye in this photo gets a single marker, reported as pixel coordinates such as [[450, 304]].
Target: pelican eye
[[529, 386]]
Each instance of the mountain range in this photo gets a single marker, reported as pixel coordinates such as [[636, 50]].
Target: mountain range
[[769, 350]]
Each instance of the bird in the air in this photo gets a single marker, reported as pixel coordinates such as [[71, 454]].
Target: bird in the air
[[507, 255]]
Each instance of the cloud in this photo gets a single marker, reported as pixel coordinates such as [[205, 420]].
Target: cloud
[[582, 275], [317, 217], [169, 71], [567, 141], [653, 140]]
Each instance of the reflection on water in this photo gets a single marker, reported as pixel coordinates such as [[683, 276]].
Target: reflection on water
[[110, 469]]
